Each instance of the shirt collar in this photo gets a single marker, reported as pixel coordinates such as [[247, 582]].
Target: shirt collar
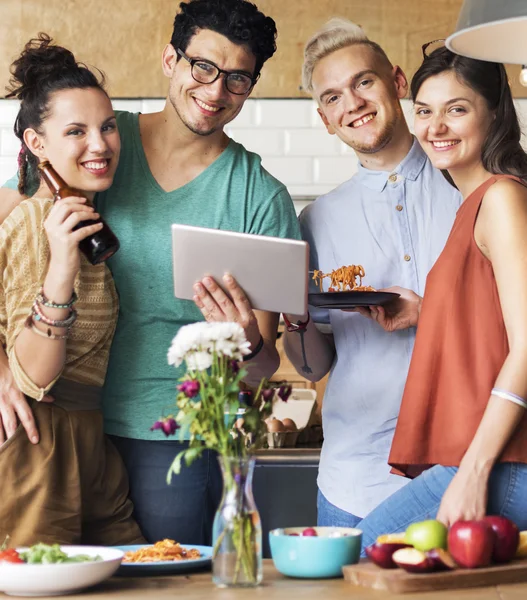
[[410, 167]]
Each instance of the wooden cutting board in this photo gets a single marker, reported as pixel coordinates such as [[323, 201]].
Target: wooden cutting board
[[397, 581]]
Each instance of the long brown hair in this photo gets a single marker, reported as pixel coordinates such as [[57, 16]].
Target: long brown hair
[[502, 153]]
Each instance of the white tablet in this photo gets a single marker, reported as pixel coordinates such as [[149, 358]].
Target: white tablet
[[272, 271]]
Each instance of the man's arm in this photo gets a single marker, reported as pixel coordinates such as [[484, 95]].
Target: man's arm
[[9, 199], [398, 314], [310, 351]]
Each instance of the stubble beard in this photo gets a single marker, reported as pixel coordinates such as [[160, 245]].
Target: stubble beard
[[383, 139], [202, 132]]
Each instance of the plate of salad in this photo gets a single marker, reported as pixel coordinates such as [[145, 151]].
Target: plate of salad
[[44, 570]]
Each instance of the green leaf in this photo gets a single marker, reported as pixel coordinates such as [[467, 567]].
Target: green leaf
[[175, 467]]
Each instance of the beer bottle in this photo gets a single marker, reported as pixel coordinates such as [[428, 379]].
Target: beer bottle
[[97, 247]]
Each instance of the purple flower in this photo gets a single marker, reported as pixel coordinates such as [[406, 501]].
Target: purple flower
[[170, 426], [190, 388], [167, 425], [235, 367], [268, 394], [284, 391]]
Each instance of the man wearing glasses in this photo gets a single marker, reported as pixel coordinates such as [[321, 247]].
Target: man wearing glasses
[[393, 217], [178, 166]]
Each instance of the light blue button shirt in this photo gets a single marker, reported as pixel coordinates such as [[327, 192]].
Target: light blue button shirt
[[395, 224]]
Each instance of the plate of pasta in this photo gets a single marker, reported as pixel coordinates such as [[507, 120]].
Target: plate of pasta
[[346, 289], [165, 556]]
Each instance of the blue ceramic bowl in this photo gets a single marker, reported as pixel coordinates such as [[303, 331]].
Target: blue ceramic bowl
[[315, 557]]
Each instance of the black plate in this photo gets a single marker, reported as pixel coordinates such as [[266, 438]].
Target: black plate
[[350, 299]]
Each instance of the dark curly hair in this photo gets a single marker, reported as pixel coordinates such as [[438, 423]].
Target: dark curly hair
[[502, 153], [42, 69], [238, 20]]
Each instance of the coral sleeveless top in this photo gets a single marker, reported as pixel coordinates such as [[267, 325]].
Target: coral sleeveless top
[[460, 348]]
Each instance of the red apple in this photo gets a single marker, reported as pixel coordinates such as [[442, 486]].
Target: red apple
[[381, 554], [413, 561], [506, 538], [309, 532], [471, 543], [441, 559]]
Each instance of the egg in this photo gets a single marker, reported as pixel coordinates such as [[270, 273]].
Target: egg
[[275, 425], [289, 424]]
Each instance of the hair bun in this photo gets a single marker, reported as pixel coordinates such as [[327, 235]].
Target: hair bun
[[41, 61]]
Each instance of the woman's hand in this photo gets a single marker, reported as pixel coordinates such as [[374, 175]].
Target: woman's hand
[[465, 498], [63, 241], [216, 306]]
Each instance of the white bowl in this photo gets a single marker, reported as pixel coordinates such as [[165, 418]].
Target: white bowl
[[60, 578]]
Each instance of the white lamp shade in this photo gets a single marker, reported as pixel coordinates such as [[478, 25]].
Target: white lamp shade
[[494, 30]]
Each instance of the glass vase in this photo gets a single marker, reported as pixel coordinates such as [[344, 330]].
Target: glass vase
[[237, 531]]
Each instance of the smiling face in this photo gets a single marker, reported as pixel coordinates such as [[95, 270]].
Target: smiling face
[[206, 108], [358, 96], [79, 138], [451, 122]]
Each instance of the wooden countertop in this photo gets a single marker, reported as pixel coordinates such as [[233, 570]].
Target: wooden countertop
[[199, 586]]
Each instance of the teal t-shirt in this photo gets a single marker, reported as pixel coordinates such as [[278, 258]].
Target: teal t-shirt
[[234, 193]]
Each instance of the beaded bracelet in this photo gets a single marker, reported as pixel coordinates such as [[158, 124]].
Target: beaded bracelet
[[38, 315], [48, 335], [41, 299], [509, 396], [255, 351]]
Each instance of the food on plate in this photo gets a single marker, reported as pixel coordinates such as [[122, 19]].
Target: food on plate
[[343, 279], [471, 543], [506, 538], [165, 550], [426, 535], [10, 555], [43, 554]]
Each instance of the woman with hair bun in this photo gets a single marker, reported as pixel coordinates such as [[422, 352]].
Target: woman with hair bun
[[58, 313]]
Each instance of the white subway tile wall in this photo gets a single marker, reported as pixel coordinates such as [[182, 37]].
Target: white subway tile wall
[[287, 134]]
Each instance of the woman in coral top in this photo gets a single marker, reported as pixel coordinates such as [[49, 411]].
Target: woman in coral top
[[462, 429]]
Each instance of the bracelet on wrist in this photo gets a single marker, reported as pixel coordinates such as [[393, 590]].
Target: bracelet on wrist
[[41, 299], [509, 396], [30, 324], [255, 350], [38, 315], [298, 326]]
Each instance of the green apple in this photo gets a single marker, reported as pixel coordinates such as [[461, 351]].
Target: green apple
[[427, 535]]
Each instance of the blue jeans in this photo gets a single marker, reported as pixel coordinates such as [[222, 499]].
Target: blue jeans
[[331, 516], [420, 500], [182, 511]]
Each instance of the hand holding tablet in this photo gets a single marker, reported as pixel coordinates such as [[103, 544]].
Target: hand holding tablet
[[273, 272]]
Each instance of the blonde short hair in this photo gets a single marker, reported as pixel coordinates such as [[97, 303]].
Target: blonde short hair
[[336, 34]]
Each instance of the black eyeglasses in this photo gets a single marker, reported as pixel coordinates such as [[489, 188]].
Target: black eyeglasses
[[429, 47], [204, 71]]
